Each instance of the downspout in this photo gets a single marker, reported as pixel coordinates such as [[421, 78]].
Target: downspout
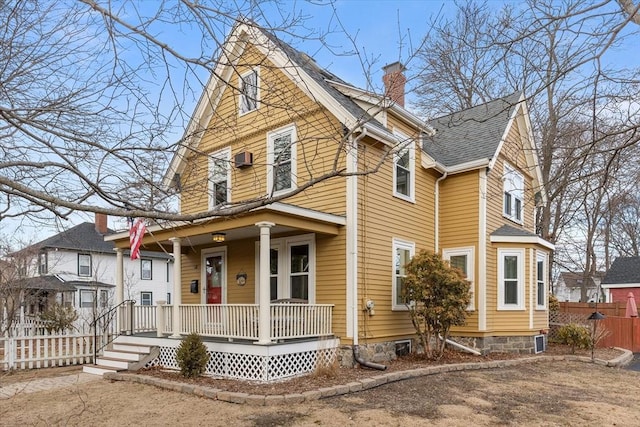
[[353, 255], [353, 238], [461, 347], [437, 211]]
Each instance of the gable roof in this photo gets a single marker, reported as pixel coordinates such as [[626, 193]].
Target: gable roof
[[575, 280], [473, 134], [298, 67], [623, 270]]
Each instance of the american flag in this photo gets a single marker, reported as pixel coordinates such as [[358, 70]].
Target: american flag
[[136, 231]]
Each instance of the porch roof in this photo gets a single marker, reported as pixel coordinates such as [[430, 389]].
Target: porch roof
[[286, 217]]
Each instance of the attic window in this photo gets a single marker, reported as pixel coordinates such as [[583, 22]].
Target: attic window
[[513, 194], [248, 86]]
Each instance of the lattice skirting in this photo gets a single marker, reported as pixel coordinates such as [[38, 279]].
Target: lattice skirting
[[255, 367]]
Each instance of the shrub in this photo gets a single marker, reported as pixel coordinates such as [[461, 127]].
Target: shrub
[[575, 336], [437, 296], [59, 318], [554, 304], [192, 356]]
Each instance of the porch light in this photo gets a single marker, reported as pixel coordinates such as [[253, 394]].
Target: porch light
[[218, 237]]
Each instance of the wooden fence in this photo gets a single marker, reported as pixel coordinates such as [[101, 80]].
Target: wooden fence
[[44, 351], [622, 332], [613, 309]]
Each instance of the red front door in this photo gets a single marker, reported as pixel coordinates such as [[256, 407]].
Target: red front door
[[214, 265]]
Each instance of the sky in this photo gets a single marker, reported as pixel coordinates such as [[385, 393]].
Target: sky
[[381, 31]]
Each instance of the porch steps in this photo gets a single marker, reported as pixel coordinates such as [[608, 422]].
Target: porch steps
[[122, 357]]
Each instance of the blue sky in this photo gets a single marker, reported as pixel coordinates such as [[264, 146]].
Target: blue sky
[[382, 31]]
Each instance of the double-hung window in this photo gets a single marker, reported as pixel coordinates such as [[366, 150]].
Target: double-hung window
[[541, 282], [513, 194], [87, 298], [146, 298], [146, 269], [249, 93], [42, 263], [404, 169], [510, 279], [403, 251], [281, 159], [220, 178], [84, 265], [462, 259]]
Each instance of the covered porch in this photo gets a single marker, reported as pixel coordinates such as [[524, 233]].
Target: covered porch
[[270, 298]]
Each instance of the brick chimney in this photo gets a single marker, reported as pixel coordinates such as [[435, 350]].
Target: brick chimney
[[101, 223], [394, 81]]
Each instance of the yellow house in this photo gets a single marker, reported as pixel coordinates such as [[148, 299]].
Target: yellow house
[[327, 191]]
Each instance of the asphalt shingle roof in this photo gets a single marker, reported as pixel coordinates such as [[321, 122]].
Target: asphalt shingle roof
[[82, 237], [623, 270], [471, 134], [508, 230]]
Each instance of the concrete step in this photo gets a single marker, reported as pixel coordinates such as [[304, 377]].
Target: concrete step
[[113, 363], [98, 370], [124, 355], [133, 348]]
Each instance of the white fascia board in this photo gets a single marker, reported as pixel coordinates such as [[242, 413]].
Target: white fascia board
[[619, 285], [523, 239], [532, 153], [208, 102], [305, 213], [429, 162]]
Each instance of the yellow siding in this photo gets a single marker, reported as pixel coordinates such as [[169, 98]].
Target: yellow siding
[[459, 195], [282, 104], [381, 218]]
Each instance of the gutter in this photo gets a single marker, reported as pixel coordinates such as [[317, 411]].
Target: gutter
[[436, 215]]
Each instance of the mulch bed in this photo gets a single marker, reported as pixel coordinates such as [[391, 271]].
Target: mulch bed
[[338, 375]]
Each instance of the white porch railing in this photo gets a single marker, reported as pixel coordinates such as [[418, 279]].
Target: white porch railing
[[300, 320], [144, 318]]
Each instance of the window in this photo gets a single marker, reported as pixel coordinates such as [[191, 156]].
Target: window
[[104, 298], [146, 298], [145, 269], [42, 263], [84, 265], [249, 91], [462, 258], [403, 169], [513, 193], [299, 278], [169, 298], [291, 268], [402, 254], [168, 263], [87, 298], [541, 274], [220, 178], [281, 158], [510, 280]]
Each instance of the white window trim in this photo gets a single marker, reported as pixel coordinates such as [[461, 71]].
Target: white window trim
[[271, 136], [399, 244], [224, 155], [409, 144], [90, 264], [469, 252], [150, 294], [542, 256], [284, 265], [240, 94], [142, 261], [509, 170], [519, 253]]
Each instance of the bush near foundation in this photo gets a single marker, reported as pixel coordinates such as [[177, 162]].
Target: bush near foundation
[[575, 336], [192, 356]]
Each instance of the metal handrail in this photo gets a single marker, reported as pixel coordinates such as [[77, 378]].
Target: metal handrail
[[109, 314]]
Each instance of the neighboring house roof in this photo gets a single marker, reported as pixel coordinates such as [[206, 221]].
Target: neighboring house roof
[[624, 270], [575, 280], [82, 237], [47, 283], [472, 134]]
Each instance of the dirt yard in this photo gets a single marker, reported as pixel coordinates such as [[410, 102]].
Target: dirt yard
[[556, 393]]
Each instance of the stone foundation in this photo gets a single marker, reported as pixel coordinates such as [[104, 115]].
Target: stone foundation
[[386, 351]]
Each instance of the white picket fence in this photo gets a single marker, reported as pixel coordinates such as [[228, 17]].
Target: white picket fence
[[44, 351]]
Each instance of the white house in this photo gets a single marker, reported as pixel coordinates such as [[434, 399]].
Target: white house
[[78, 268]]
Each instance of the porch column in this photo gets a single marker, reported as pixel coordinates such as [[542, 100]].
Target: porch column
[[177, 286], [119, 275], [264, 309]]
